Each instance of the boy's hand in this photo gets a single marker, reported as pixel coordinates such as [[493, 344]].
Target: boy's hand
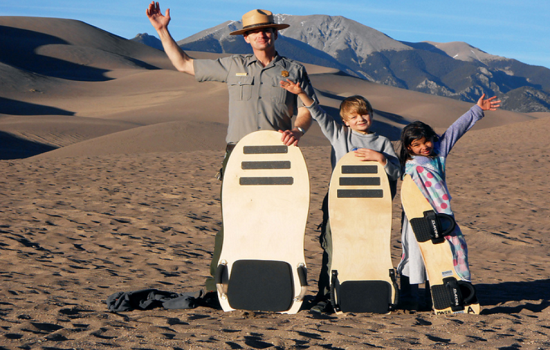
[[488, 104], [294, 88], [366, 154]]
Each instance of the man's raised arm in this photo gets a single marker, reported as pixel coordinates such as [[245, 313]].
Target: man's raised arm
[[177, 56]]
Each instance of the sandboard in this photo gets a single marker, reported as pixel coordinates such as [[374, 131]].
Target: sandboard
[[449, 293], [265, 205], [360, 212]]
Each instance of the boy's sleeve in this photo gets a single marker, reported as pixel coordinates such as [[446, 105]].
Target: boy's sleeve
[[331, 129], [458, 129], [305, 84]]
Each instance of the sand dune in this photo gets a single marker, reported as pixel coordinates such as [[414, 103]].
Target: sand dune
[[126, 199], [71, 68], [177, 136], [77, 229]]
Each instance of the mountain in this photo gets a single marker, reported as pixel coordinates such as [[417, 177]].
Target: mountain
[[72, 87], [456, 69], [148, 40], [218, 40]]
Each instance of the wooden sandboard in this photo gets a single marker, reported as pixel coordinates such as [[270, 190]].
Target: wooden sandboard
[[449, 293], [265, 205], [360, 216]]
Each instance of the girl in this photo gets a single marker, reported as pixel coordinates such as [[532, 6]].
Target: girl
[[423, 154]]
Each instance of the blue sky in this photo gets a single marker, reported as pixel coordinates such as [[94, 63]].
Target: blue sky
[[509, 28]]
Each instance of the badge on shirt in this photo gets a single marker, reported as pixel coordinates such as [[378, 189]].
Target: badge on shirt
[[241, 74], [284, 73]]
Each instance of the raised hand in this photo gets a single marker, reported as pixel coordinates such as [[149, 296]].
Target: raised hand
[[294, 88], [488, 104], [158, 20]]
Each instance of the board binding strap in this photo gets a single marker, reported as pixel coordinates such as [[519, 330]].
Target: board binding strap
[[450, 294]]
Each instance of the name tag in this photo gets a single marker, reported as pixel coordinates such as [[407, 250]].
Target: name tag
[[241, 74]]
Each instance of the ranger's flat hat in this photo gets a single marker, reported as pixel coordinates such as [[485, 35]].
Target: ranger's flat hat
[[257, 19]]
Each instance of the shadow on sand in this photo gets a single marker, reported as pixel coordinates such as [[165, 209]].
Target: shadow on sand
[[26, 42], [15, 107], [491, 295], [12, 147]]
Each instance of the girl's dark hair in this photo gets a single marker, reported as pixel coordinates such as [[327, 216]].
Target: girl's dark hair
[[414, 131]]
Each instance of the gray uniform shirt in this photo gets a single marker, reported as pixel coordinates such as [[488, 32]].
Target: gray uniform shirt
[[256, 100]]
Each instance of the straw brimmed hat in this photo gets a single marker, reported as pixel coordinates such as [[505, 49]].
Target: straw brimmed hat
[[257, 19]]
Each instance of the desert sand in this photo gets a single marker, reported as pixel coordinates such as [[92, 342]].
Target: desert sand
[[108, 158]]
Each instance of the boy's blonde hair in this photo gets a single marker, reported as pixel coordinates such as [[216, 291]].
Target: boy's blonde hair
[[355, 104]]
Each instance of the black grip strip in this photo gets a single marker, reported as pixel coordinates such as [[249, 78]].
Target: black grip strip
[[359, 169], [359, 181], [265, 165], [264, 149], [245, 181], [360, 194]]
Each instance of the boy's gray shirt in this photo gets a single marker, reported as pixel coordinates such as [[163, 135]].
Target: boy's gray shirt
[[344, 140]]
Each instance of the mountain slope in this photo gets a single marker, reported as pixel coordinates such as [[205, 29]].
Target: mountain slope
[[455, 69], [47, 100]]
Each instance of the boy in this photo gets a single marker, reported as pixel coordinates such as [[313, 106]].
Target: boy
[[355, 135]]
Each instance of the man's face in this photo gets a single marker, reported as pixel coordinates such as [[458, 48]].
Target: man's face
[[261, 39]]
